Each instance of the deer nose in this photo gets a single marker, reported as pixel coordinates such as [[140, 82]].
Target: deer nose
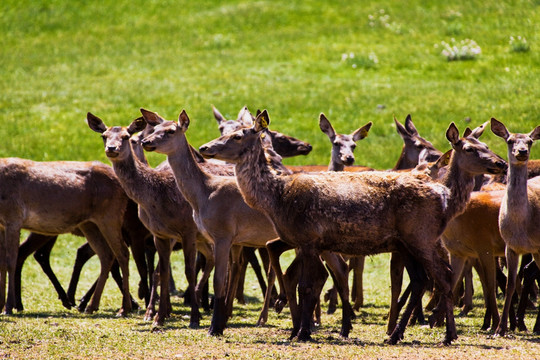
[[523, 152], [203, 148], [110, 148], [349, 160]]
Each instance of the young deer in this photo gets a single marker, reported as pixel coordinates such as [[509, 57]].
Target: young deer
[[359, 213], [219, 211], [162, 209], [520, 210], [53, 198]]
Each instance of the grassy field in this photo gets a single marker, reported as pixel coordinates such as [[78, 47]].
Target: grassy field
[[354, 61]]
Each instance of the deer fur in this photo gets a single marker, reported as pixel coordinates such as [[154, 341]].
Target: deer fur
[[52, 198], [520, 210], [219, 210], [359, 213]]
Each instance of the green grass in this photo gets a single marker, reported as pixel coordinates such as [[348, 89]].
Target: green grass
[[61, 59]]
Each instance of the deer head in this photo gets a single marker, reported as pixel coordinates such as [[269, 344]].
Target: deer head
[[115, 138], [343, 145], [473, 156], [244, 119], [519, 145], [232, 147], [413, 145], [160, 140]]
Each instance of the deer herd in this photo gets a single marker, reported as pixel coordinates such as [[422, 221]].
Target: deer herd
[[439, 215]]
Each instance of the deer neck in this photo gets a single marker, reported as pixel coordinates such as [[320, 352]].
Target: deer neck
[[403, 162], [258, 184], [190, 178], [134, 176], [517, 201], [461, 184], [335, 166]]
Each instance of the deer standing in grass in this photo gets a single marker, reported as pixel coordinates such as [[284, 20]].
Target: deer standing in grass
[[359, 213], [520, 211], [52, 198], [162, 209], [219, 211]]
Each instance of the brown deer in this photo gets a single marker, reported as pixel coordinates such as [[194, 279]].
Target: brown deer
[[219, 211], [359, 213], [52, 198], [519, 210], [162, 209]]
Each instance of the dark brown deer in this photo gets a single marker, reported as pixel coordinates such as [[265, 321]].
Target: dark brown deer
[[359, 213], [52, 198], [219, 210], [520, 209]]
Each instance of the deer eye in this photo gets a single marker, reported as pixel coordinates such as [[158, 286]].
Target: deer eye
[[353, 146], [125, 137], [237, 137], [469, 149], [170, 131]]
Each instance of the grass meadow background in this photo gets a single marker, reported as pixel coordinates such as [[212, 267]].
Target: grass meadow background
[[60, 59]]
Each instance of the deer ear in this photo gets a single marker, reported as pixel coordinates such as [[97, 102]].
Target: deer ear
[[477, 131], [467, 132], [499, 129], [326, 127], [220, 118], [137, 125], [535, 134], [245, 117], [452, 134], [95, 123], [362, 132], [411, 129], [151, 117], [183, 120], [262, 121], [402, 131]]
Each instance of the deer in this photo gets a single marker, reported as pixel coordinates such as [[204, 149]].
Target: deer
[[519, 211], [162, 209], [359, 213], [220, 213], [52, 198]]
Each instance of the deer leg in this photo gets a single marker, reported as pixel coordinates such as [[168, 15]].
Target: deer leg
[[458, 266], [189, 244], [106, 258], [8, 264], [246, 253], [275, 248], [222, 248], [340, 272], [205, 258], [84, 253], [263, 254], [254, 262], [32, 243], [357, 265], [163, 246], [487, 274], [396, 281], [512, 260], [237, 261], [263, 317], [441, 272], [417, 285], [42, 256], [312, 279], [154, 296], [468, 289], [113, 235]]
